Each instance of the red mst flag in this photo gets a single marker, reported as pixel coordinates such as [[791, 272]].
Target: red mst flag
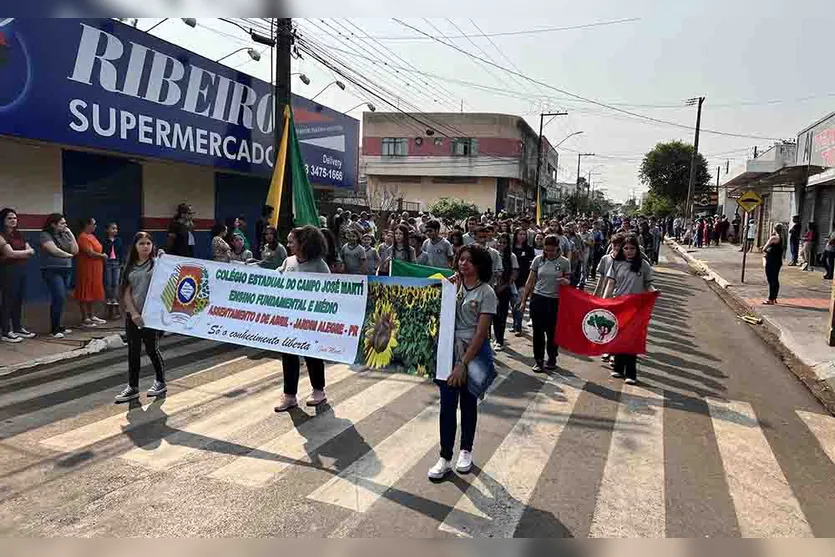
[[593, 326]]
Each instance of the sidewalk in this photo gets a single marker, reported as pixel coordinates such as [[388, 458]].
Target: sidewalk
[[43, 349], [801, 316]]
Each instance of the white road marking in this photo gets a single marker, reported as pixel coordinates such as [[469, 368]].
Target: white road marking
[[765, 504], [117, 425], [630, 500], [249, 410], [822, 427], [362, 483], [274, 457], [497, 497]]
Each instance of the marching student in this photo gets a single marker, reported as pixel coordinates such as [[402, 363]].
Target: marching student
[[504, 287], [549, 272], [400, 250], [524, 253], [273, 253], [136, 280], [629, 274], [438, 250], [353, 254], [371, 255], [308, 248], [603, 267], [473, 373]]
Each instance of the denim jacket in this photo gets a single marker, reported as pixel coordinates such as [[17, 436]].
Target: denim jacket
[[117, 246]]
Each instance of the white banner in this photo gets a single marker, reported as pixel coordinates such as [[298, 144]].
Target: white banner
[[298, 313]]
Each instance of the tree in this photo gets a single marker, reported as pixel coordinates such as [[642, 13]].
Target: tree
[[658, 206], [666, 170], [452, 208], [630, 208]]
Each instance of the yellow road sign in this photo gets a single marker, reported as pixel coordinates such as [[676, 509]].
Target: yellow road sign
[[749, 201]]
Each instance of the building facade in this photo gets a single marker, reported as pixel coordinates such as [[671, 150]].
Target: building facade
[[487, 159], [100, 119]]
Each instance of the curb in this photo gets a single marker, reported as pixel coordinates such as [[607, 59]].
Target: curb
[[93, 347], [821, 386]]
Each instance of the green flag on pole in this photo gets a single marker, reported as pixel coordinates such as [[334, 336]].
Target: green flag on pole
[[404, 269], [304, 203]]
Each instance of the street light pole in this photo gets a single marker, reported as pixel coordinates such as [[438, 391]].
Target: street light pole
[[539, 161], [579, 156], [688, 209]]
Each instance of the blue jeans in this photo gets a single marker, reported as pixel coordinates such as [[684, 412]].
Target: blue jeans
[[13, 287], [111, 279], [57, 282]]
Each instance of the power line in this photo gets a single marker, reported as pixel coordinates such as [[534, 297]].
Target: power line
[[502, 54], [580, 97], [520, 32]]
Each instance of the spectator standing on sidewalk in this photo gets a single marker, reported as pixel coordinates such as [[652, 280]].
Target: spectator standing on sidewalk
[[112, 248], [773, 260], [794, 240], [750, 236], [58, 247], [89, 273], [180, 236], [14, 251], [810, 239], [737, 224], [829, 255]]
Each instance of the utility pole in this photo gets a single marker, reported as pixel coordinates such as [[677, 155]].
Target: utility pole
[[579, 156], [688, 209], [539, 160], [283, 98]]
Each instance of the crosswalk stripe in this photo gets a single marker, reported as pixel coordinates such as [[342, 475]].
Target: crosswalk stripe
[[271, 459], [115, 425], [221, 425], [630, 500], [823, 428], [50, 387], [497, 497], [755, 480], [361, 484]]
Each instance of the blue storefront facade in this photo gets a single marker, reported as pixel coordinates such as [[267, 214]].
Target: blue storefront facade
[[100, 119]]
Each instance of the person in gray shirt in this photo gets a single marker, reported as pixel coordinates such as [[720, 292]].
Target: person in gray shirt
[[438, 250], [58, 247], [308, 247], [629, 274], [353, 255], [136, 280]]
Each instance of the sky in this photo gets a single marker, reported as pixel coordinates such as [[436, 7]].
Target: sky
[[764, 72]]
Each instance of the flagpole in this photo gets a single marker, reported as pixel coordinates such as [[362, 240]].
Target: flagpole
[[283, 98]]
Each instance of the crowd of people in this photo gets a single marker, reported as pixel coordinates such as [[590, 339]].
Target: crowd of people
[[503, 266]]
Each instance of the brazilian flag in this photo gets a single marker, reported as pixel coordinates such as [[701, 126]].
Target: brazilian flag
[[405, 269]]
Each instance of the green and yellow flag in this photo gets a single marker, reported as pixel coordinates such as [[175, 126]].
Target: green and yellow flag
[[304, 203], [404, 269]]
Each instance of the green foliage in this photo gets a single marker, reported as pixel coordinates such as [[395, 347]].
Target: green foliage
[[453, 208], [579, 203], [630, 208], [666, 170], [658, 206]]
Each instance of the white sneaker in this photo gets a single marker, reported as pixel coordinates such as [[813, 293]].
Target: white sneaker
[[630, 381], [465, 462], [57, 334], [89, 323], [440, 470], [11, 337], [98, 321], [23, 333]]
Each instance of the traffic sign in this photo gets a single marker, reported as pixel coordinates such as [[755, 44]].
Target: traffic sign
[[749, 201]]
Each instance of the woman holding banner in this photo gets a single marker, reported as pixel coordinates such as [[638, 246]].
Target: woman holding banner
[[629, 274], [308, 247], [549, 272], [475, 306]]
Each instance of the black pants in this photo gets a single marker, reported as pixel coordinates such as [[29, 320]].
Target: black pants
[[544, 321], [13, 288], [136, 338], [291, 365], [451, 397], [772, 274], [500, 321], [829, 261], [627, 365]]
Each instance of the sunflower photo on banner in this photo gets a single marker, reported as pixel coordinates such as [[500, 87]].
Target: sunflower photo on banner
[[408, 326]]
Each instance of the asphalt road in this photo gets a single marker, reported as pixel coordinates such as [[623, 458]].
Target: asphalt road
[[718, 440]]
